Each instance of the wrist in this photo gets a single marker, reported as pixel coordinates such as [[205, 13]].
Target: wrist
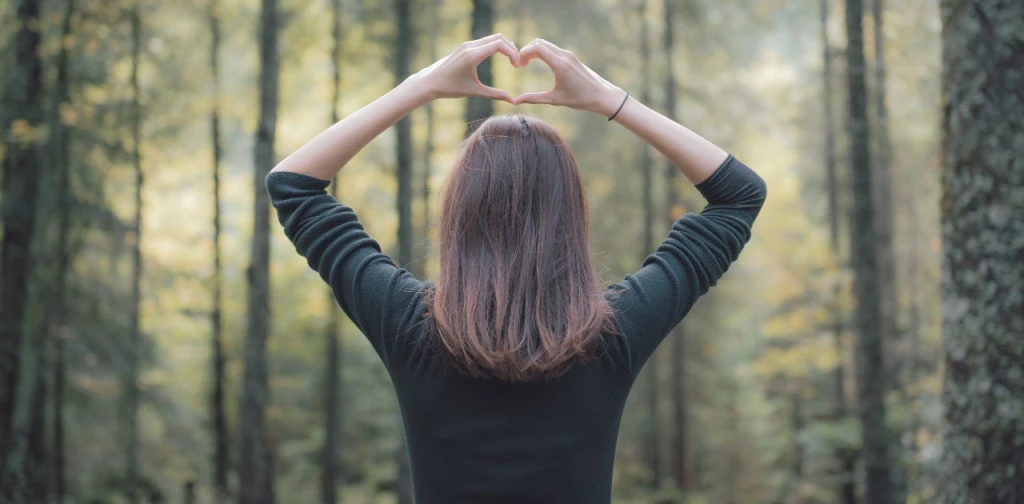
[[609, 101], [416, 91]]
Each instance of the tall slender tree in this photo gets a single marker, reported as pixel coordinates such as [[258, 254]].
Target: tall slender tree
[[478, 109], [255, 464], [23, 115], [330, 462], [403, 171], [983, 251], [680, 443], [870, 371], [59, 318], [217, 415], [131, 386], [847, 459], [433, 19], [883, 181], [653, 442]]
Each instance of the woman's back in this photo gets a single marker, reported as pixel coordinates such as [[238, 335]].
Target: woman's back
[[486, 440]]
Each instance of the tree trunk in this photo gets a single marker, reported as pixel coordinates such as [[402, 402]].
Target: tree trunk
[[680, 446], [652, 443], [330, 463], [983, 251], [403, 130], [847, 458], [433, 21], [131, 385], [59, 317], [870, 371], [887, 281], [220, 428], [479, 109], [255, 467], [21, 173]]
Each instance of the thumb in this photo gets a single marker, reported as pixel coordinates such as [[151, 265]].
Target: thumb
[[495, 94], [544, 98]]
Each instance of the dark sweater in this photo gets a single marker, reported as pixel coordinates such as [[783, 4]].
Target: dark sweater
[[484, 441]]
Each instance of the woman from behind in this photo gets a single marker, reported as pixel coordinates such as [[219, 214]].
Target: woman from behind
[[513, 365]]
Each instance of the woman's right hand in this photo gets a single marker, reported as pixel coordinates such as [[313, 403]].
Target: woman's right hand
[[576, 85]]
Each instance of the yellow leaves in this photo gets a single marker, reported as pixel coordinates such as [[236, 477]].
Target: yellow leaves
[[677, 212], [68, 114], [24, 132]]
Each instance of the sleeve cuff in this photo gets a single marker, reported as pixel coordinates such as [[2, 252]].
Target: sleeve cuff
[[276, 179]]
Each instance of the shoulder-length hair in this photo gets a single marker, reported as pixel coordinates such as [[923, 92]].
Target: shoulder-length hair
[[516, 297]]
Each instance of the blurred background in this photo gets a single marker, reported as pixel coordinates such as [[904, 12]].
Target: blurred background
[[185, 353]]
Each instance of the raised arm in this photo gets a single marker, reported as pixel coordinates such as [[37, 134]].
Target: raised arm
[[378, 296], [699, 247], [450, 77]]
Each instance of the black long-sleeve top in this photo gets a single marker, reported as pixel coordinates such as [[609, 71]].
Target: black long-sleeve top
[[485, 441]]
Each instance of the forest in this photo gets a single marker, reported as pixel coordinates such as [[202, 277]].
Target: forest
[[161, 342]]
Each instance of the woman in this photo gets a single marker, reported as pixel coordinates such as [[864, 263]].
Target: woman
[[513, 366]]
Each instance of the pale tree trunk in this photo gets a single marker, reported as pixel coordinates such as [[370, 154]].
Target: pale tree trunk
[[255, 464], [22, 106], [403, 130], [680, 443], [870, 371], [847, 458], [219, 419], [983, 251], [479, 109], [652, 442], [131, 385], [330, 462]]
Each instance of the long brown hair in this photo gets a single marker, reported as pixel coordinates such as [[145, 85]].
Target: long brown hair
[[516, 297]]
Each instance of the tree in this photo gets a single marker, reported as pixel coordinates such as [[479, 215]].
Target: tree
[[680, 443], [870, 371], [59, 316], [330, 464], [219, 419], [478, 109], [846, 457], [22, 168], [404, 39], [983, 251], [255, 464], [652, 444], [882, 180], [131, 385]]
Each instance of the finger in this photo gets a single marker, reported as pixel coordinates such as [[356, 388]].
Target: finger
[[543, 98], [495, 94], [486, 40], [554, 48], [536, 49], [497, 46]]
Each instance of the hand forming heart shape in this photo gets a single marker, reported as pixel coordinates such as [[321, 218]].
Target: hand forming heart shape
[[576, 85]]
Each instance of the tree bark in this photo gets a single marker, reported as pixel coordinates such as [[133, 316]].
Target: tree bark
[[882, 179], [847, 458], [870, 371], [221, 445], [652, 443], [330, 462], [59, 317], [680, 444], [983, 250], [479, 109], [403, 172], [255, 467], [21, 172], [131, 385]]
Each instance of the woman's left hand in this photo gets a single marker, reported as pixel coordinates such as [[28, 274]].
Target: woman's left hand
[[454, 76]]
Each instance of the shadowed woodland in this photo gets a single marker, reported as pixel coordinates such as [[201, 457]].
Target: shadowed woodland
[[160, 341]]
